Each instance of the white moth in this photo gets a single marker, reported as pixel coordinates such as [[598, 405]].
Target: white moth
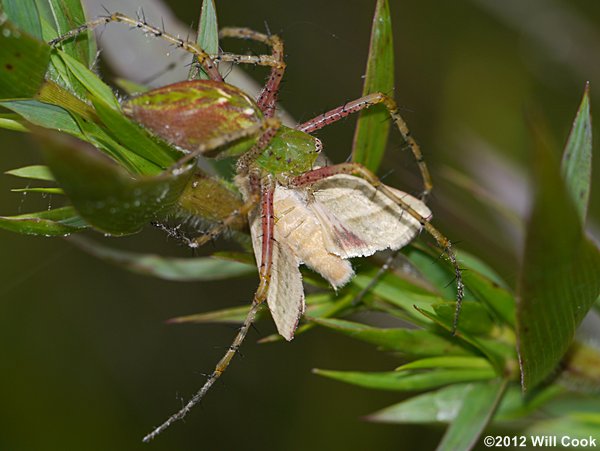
[[337, 218]]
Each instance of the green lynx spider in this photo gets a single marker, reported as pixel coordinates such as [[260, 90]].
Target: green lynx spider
[[277, 174]]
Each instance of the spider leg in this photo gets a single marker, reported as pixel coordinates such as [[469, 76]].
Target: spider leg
[[269, 128], [268, 96], [266, 191], [359, 170], [365, 102], [233, 217], [208, 65]]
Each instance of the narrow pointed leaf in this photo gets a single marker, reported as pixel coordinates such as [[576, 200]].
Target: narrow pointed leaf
[[35, 172], [98, 137], [104, 194], [430, 263], [558, 281], [24, 14], [23, 63], [233, 315], [336, 306], [373, 125], [38, 190], [446, 361], [395, 292], [64, 16], [476, 411], [474, 319], [577, 157], [440, 406], [408, 381], [499, 353], [55, 94], [412, 342], [58, 222], [490, 293], [44, 115], [208, 36], [443, 405], [9, 121], [95, 86], [167, 268], [134, 138]]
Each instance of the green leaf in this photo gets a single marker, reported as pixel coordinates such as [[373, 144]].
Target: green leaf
[[577, 157], [133, 137], [130, 87], [10, 121], [395, 291], [499, 353], [167, 268], [38, 190], [433, 268], [516, 405], [64, 16], [57, 95], [477, 409], [558, 282], [95, 135], [571, 427], [412, 342], [474, 319], [35, 172], [233, 315], [489, 293], [440, 406], [472, 263], [372, 129], [208, 36], [446, 361], [333, 306], [44, 115], [104, 194], [23, 63], [408, 380], [24, 14], [95, 86], [58, 222]]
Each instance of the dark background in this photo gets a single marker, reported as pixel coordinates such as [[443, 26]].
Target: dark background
[[86, 361]]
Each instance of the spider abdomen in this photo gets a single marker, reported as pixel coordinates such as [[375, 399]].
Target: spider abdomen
[[190, 114]]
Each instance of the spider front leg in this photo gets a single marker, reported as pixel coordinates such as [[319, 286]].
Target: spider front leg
[[265, 190], [268, 97], [202, 57], [356, 169], [365, 102]]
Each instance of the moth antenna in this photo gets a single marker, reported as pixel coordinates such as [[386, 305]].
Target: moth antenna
[[212, 378]]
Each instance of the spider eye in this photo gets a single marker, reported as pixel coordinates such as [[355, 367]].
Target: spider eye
[[318, 145]]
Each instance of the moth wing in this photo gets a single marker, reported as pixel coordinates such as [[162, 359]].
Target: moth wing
[[286, 293], [359, 220], [297, 226]]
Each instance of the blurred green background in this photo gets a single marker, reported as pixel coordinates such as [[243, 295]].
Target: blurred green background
[[87, 362]]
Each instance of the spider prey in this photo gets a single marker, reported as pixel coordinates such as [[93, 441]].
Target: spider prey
[[298, 213]]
